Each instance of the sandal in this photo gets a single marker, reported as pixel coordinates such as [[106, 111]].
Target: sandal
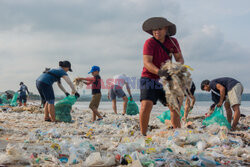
[[99, 119], [48, 120]]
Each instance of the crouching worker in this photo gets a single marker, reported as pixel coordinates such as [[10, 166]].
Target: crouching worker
[[96, 91], [117, 90], [44, 86], [230, 91]]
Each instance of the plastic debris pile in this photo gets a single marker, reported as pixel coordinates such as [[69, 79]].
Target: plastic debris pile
[[31, 109], [116, 141]]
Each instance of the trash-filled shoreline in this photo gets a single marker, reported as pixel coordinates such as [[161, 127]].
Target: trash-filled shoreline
[[27, 140]]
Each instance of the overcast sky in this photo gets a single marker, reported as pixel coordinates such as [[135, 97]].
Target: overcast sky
[[214, 37]]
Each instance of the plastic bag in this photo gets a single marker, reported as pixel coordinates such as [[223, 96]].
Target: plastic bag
[[14, 100], [63, 108], [167, 116], [217, 117], [132, 108]]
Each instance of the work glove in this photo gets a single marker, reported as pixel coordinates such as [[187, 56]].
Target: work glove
[[164, 73], [77, 95], [67, 94]]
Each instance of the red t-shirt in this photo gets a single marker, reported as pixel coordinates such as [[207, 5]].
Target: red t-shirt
[[152, 48]]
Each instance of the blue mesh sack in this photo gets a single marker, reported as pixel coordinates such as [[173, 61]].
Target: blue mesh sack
[[167, 116], [132, 107], [13, 102], [63, 109], [4, 99]]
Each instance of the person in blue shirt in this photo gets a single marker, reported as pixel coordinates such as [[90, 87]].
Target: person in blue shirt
[[23, 97], [44, 86]]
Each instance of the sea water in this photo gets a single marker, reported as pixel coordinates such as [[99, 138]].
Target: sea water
[[200, 107]]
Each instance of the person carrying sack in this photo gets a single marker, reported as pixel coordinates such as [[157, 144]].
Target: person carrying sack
[[44, 86]]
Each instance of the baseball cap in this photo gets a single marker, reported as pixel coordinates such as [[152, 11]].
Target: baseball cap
[[94, 68]]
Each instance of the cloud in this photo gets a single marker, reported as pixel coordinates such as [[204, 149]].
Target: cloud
[[37, 34], [212, 56]]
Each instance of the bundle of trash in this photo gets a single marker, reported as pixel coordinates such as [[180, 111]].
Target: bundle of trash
[[177, 84], [78, 83]]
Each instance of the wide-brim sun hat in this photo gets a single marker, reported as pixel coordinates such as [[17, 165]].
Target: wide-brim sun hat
[[155, 23]]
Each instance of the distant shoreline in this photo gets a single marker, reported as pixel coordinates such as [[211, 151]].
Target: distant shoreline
[[136, 97]]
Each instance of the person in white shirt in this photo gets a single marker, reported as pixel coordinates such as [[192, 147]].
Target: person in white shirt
[[116, 91]]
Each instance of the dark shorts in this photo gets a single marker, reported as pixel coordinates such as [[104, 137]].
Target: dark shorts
[[192, 89], [23, 98], [152, 90], [46, 91], [116, 91]]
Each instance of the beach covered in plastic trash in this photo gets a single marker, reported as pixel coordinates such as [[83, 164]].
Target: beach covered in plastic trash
[[27, 140]]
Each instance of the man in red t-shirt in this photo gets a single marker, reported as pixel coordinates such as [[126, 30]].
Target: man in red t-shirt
[[156, 52]]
